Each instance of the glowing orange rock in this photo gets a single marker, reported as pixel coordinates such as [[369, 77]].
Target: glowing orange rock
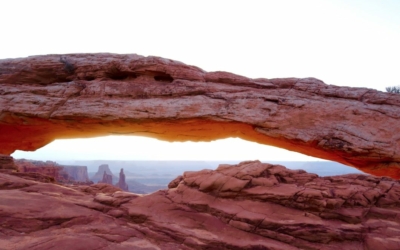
[[84, 95]]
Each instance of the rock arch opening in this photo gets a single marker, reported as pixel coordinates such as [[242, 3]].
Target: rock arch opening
[[150, 164]]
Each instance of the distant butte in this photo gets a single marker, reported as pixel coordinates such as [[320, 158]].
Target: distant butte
[[84, 95]]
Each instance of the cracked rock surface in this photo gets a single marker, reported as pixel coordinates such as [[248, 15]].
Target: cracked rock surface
[[83, 95], [251, 205]]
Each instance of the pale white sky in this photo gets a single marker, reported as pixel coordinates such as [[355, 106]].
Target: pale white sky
[[342, 42]]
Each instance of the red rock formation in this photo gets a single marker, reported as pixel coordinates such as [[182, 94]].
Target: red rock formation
[[107, 178], [82, 95], [47, 168], [121, 182], [60, 173], [246, 206], [7, 163], [100, 173]]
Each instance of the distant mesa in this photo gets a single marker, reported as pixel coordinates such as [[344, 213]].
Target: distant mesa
[[61, 173]]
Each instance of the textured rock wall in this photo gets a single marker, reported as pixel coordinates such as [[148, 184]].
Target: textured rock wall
[[60, 173], [47, 168], [261, 206], [85, 95], [7, 163]]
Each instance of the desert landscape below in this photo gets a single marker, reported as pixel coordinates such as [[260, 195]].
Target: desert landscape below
[[196, 205], [250, 205]]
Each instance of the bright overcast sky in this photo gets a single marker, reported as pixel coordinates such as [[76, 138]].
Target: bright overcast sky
[[349, 43]]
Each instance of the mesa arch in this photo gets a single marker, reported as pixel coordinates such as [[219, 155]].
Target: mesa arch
[[84, 95]]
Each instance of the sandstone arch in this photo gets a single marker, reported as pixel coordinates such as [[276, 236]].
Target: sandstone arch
[[83, 95]]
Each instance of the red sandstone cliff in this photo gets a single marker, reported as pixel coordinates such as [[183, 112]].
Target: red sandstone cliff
[[60, 173], [48, 168]]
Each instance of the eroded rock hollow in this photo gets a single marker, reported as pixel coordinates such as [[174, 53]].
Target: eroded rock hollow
[[84, 95]]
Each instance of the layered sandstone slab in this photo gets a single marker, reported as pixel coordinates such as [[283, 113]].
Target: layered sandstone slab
[[246, 206], [83, 95]]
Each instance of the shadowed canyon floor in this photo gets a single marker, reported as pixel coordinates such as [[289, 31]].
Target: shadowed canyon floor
[[43, 98], [251, 205]]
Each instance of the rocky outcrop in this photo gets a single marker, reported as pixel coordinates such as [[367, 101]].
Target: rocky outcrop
[[45, 216], [77, 173], [262, 206], [246, 206], [107, 178], [60, 173], [121, 182], [48, 168], [81, 95], [103, 168], [7, 164]]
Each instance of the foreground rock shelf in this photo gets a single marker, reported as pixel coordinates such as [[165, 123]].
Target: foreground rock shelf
[[83, 95], [247, 206]]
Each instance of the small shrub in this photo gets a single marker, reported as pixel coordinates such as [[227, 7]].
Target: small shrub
[[393, 89]]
